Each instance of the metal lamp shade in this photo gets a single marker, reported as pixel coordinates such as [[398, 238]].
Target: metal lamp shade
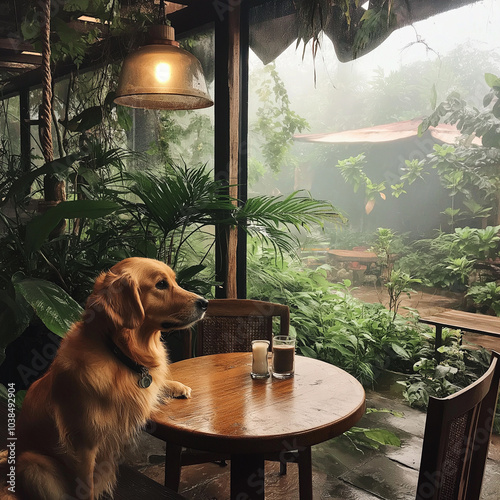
[[159, 76]]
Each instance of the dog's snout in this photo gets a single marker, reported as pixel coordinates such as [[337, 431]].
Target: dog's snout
[[202, 304]]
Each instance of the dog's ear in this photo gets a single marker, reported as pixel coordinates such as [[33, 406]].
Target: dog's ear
[[118, 297]]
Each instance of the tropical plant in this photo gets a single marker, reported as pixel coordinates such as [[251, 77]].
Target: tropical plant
[[386, 244], [353, 172], [275, 124], [458, 368], [467, 168], [40, 276], [486, 296], [398, 285], [71, 43], [450, 258], [363, 29], [343, 237]]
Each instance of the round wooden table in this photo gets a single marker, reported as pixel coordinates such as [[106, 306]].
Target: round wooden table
[[249, 420]]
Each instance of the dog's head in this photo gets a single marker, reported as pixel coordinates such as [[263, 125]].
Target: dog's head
[[140, 292]]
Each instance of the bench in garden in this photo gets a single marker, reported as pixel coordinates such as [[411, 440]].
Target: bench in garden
[[461, 320]]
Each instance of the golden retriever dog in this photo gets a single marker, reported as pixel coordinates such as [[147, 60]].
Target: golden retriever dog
[[110, 373]]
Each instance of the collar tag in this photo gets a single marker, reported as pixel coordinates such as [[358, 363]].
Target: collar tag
[[145, 380]]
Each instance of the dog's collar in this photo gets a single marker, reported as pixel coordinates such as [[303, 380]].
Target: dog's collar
[[146, 379]]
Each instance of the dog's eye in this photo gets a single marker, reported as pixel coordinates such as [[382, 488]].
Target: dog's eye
[[162, 285]]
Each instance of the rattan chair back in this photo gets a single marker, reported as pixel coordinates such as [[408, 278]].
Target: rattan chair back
[[456, 440], [230, 325]]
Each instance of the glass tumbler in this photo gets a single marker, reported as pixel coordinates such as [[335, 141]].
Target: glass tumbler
[[260, 367], [283, 356]]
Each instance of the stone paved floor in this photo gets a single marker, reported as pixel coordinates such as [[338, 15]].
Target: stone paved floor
[[340, 470]]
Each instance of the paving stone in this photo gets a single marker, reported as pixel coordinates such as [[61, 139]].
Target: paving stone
[[339, 455], [212, 482], [384, 478], [491, 481], [412, 422], [340, 490], [408, 454]]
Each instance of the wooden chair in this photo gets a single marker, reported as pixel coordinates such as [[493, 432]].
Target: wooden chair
[[229, 325], [456, 440]]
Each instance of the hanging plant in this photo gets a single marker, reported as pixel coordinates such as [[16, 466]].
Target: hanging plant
[[354, 27]]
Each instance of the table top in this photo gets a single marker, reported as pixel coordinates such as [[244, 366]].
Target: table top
[[471, 322], [354, 255], [229, 412]]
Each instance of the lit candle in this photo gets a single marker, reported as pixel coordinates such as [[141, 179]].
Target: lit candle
[[259, 359]]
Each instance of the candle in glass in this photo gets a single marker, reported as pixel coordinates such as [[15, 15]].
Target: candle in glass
[[260, 368]]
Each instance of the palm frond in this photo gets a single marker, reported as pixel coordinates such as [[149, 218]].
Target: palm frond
[[182, 200], [182, 197], [295, 209]]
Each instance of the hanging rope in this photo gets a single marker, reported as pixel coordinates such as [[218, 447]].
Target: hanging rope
[[53, 188], [46, 106]]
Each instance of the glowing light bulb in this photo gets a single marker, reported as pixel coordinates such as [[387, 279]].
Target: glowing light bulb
[[162, 72]]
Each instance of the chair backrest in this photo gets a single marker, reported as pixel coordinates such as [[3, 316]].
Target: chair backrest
[[230, 325], [456, 439]]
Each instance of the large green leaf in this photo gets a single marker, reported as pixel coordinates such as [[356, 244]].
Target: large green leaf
[[188, 272], [86, 120], [400, 351], [492, 80], [382, 436], [40, 227], [14, 318], [52, 304]]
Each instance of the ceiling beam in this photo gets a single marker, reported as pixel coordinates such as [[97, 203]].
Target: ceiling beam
[[16, 66], [30, 59]]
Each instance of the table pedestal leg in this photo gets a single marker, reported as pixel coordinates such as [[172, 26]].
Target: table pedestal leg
[[173, 466], [305, 474], [247, 477]]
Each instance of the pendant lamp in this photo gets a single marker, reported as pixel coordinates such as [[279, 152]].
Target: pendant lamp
[[162, 75]]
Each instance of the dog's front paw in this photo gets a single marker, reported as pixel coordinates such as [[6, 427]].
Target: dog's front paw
[[178, 390]]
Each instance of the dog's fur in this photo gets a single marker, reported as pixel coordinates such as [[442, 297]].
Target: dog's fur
[[78, 417]]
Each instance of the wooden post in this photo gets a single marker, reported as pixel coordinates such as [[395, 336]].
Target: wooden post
[[233, 71], [228, 150], [241, 256]]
